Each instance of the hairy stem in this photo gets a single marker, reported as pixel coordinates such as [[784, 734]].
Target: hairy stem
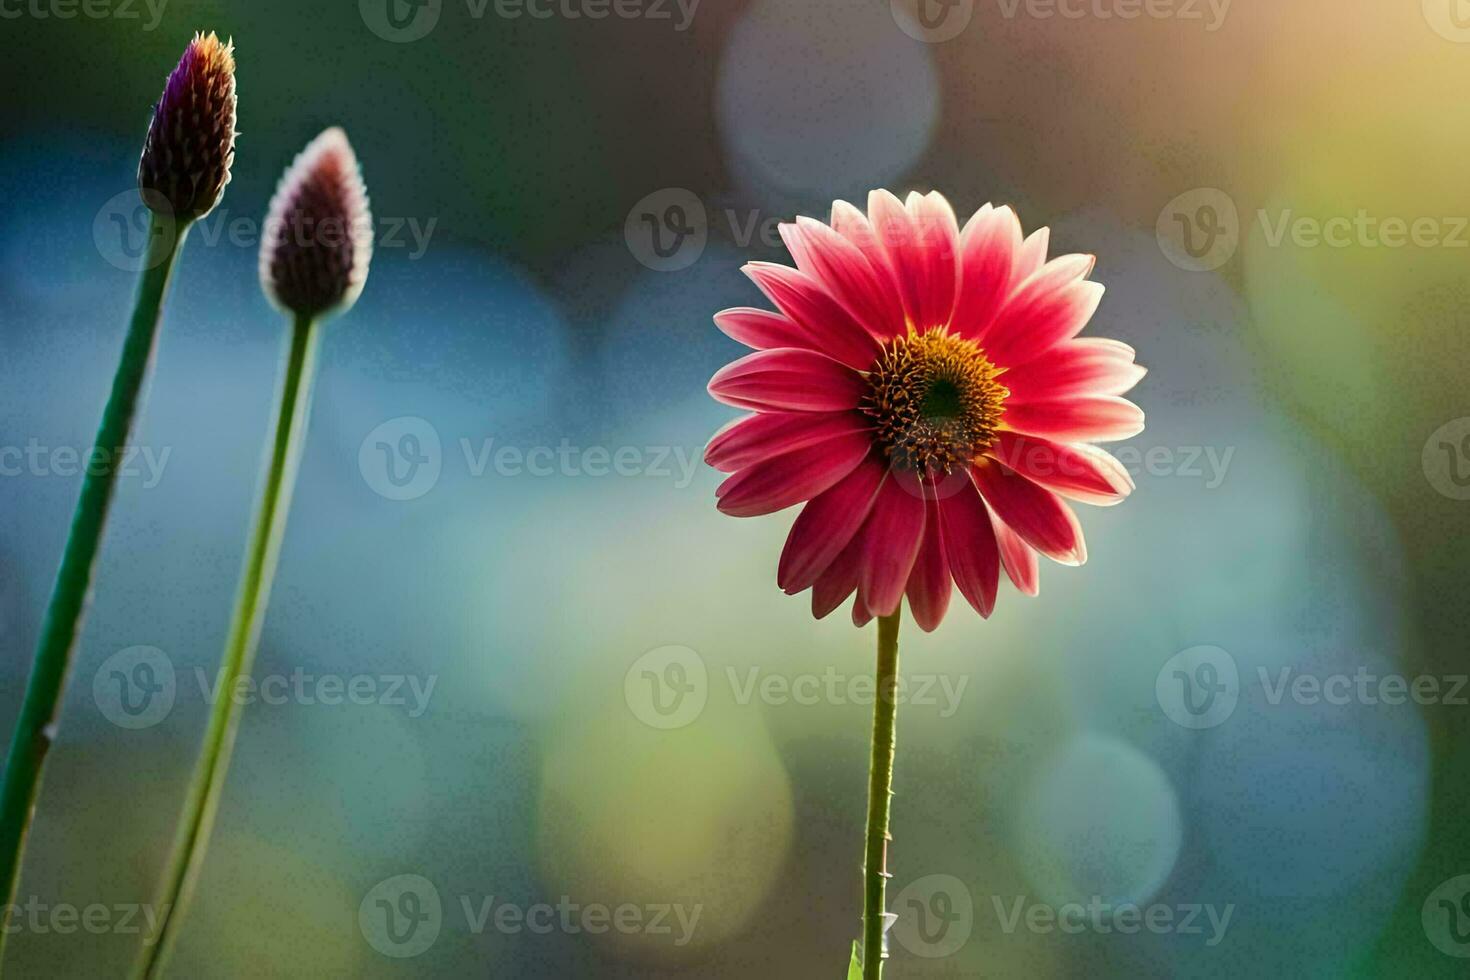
[[880, 792], [202, 802], [36, 728]]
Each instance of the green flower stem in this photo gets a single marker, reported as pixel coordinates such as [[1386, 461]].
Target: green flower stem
[[880, 793], [36, 728], [202, 802]]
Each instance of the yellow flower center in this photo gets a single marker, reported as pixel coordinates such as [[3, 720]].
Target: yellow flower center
[[934, 400]]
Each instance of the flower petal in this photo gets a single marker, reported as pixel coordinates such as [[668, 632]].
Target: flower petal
[[777, 483], [753, 438], [804, 301], [1032, 255], [866, 292], [838, 582], [790, 380], [988, 253], [1105, 418], [1081, 472], [929, 586], [826, 525], [850, 222], [1090, 366], [1018, 557], [970, 547], [1048, 308], [1032, 511], [890, 540]]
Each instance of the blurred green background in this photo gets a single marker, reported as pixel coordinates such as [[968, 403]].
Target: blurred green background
[[1276, 196]]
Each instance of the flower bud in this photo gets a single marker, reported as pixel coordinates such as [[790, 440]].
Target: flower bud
[[191, 140], [318, 234]]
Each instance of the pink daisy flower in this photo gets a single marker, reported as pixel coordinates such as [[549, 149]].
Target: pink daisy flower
[[923, 391]]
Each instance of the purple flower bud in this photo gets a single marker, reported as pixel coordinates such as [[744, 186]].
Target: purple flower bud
[[318, 236], [191, 140]]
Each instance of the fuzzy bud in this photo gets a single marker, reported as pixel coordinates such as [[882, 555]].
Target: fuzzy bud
[[191, 140], [318, 236]]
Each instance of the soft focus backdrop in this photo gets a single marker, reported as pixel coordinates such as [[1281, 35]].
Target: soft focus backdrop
[[587, 734]]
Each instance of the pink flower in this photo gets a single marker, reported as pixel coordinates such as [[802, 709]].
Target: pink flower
[[923, 391]]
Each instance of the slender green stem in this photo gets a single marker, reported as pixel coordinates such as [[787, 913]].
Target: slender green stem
[[36, 728], [202, 802], [880, 792]]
